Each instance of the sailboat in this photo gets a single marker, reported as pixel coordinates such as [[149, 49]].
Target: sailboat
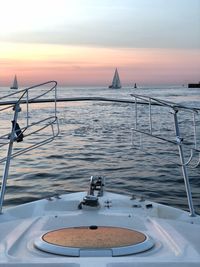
[[15, 83], [116, 84]]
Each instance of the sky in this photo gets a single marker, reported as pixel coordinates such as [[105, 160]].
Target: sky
[[81, 42]]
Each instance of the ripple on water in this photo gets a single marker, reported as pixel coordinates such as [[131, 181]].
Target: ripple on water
[[96, 140]]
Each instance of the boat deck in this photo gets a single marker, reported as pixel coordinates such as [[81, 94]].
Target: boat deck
[[173, 236]]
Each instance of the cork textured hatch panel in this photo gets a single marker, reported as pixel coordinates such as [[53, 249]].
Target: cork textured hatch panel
[[94, 237]]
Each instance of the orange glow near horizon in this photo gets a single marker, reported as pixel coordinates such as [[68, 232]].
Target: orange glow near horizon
[[81, 65]]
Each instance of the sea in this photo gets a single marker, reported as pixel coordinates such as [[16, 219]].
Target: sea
[[98, 138]]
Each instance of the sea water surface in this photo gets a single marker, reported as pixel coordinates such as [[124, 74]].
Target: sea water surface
[[96, 139]]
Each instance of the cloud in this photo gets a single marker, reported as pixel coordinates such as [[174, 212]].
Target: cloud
[[115, 35], [135, 24]]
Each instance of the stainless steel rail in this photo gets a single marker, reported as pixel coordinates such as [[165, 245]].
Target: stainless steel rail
[[178, 141], [98, 98], [18, 134], [137, 100]]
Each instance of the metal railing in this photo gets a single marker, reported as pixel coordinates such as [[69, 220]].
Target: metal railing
[[175, 140], [38, 125], [137, 101]]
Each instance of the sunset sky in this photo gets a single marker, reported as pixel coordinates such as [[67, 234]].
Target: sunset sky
[[81, 42]]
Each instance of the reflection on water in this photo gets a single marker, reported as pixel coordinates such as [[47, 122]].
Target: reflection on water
[[96, 139]]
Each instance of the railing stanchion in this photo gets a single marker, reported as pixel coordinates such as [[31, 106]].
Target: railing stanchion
[[183, 165], [9, 153], [27, 108]]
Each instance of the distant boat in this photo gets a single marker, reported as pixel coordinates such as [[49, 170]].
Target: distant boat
[[116, 84], [194, 85], [135, 85], [15, 83]]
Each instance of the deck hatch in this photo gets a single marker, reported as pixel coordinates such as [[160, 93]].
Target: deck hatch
[[101, 240]]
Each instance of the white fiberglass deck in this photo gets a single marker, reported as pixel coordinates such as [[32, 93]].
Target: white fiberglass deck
[[173, 236]]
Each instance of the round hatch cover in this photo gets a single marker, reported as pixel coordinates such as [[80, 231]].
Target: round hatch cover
[[94, 241]]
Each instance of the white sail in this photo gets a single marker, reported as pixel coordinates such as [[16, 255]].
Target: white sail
[[15, 83], [116, 84]]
